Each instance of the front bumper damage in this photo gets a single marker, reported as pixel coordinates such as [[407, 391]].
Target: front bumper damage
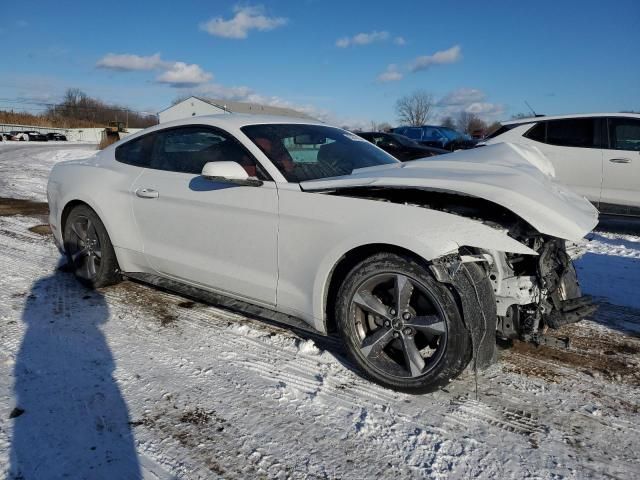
[[478, 304], [514, 296]]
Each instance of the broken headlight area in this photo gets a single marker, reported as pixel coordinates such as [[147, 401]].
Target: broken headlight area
[[537, 293], [532, 293]]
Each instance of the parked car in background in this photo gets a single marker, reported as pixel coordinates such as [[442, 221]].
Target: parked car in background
[[597, 155], [417, 266], [401, 147], [33, 136], [56, 137], [439, 137], [13, 135]]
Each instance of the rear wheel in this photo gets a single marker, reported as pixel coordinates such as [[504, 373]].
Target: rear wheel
[[89, 250], [401, 326]]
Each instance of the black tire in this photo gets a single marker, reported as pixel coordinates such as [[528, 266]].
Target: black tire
[[430, 320], [90, 254]]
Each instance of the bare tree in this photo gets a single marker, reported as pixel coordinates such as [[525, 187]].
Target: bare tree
[[492, 128], [472, 124], [415, 109], [448, 122], [77, 108], [384, 127]]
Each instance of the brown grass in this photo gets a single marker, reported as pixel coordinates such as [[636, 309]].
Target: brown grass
[[41, 229], [23, 118], [14, 206]]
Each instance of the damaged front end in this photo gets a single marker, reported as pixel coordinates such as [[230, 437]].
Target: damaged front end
[[517, 295], [532, 293]]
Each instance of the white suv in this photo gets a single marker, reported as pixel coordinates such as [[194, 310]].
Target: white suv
[[597, 155]]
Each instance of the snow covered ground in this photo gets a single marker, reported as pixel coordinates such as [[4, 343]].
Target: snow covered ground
[[24, 167], [132, 382]]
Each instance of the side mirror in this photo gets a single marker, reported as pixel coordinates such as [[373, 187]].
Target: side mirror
[[230, 172]]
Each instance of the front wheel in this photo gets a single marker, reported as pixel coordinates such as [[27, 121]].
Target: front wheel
[[89, 250], [400, 325]]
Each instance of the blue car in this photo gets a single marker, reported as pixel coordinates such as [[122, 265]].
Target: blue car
[[435, 136]]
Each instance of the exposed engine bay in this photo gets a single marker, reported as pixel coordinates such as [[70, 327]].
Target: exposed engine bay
[[532, 293], [536, 293]]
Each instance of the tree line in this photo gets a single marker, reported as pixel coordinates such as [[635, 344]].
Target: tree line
[[79, 110]]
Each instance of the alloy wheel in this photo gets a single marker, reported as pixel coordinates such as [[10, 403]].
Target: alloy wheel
[[84, 248], [400, 327]]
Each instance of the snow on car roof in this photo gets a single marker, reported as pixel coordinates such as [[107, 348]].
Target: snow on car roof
[[573, 115]]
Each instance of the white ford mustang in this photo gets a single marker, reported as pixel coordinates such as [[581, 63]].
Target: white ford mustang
[[417, 266]]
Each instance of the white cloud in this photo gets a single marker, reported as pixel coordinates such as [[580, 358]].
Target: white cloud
[[399, 41], [216, 90], [181, 74], [175, 74], [246, 18], [246, 94], [462, 96], [468, 100], [485, 109], [391, 74], [128, 62], [362, 39], [442, 57]]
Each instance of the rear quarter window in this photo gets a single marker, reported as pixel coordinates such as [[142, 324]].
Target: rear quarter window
[[136, 152], [538, 132]]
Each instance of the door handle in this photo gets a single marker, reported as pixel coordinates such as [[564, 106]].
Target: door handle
[[147, 193], [620, 160]]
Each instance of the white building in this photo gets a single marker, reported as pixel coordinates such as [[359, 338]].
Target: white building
[[196, 106]]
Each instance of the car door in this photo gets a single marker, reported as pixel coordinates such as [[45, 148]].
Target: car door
[[574, 147], [621, 167], [214, 234]]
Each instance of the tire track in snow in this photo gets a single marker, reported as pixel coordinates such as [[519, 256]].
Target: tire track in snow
[[212, 354]]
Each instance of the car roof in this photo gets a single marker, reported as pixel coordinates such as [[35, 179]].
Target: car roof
[[540, 118], [238, 120], [422, 126], [224, 121]]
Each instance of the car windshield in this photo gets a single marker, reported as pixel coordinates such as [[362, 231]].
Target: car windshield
[[452, 134], [402, 140], [309, 152]]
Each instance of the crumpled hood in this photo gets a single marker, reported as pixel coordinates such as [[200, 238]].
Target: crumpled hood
[[500, 173]]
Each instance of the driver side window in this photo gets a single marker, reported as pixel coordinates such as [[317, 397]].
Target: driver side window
[[188, 149]]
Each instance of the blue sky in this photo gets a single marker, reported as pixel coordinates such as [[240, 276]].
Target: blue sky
[[347, 61]]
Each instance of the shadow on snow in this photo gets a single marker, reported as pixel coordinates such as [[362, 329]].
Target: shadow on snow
[[72, 421]]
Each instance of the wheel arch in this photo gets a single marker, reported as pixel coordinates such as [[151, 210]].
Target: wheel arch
[[344, 264], [66, 210], [71, 204]]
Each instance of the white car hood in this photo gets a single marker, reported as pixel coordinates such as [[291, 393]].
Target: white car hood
[[500, 173]]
